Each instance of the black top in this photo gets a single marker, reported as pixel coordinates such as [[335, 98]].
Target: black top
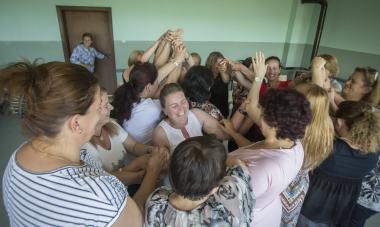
[[219, 95], [335, 184], [347, 162]]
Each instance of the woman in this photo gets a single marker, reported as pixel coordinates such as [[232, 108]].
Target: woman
[[273, 76], [180, 122], [274, 162], [112, 149], [44, 176], [84, 54], [202, 192], [317, 143], [362, 85], [196, 85], [335, 184], [219, 91], [134, 105], [109, 146]]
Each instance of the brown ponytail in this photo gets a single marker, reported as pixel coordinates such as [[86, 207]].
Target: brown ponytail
[[53, 91]]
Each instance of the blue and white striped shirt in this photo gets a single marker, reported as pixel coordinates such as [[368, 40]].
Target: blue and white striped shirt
[[68, 196]]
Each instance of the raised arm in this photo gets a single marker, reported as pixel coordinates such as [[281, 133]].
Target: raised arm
[[224, 71], [260, 69], [241, 79], [189, 59], [239, 67], [170, 72], [149, 52], [318, 71], [163, 51]]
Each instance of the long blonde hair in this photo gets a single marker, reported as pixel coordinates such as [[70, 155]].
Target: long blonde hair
[[319, 134]]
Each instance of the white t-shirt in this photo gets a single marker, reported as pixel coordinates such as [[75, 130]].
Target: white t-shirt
[[110, 160], [144, 118]]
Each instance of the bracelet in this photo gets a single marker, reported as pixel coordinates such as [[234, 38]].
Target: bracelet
[[176, 63]]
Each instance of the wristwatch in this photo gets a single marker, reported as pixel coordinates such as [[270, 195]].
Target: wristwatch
[[258, 79], [175, 63]]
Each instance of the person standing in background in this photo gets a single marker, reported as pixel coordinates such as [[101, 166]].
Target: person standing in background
[[84, 54]]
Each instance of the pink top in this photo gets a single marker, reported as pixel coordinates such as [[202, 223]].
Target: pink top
[[271, 172]]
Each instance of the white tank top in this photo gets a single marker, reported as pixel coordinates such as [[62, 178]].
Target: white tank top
[[175, 136]]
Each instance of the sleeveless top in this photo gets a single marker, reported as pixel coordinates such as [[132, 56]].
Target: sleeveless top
[[175, 136], [110, 160]]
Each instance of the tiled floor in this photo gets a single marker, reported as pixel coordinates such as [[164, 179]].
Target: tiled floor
[[11, 138]]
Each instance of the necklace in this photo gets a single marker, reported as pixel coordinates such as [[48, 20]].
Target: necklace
[[52, 155]]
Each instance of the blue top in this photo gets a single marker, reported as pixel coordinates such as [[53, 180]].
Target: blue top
[[83, 55], [347, 162]]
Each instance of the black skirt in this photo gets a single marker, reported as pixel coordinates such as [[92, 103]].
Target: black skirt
[[330, 199]]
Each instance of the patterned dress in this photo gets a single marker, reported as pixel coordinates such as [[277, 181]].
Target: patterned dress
[[209, 108], [370, 192], [292, 199], [231, 205]]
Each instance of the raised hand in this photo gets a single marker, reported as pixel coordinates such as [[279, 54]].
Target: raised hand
[[222, 65], [319, 74], [259, 66], [235, 66], [180, 53], [318, 63]]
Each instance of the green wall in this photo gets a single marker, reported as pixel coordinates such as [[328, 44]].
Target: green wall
[[286, 28]]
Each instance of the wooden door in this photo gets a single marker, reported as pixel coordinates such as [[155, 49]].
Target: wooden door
[[74, 21]]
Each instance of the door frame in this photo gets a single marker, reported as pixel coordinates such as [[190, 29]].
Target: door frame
[[62, 25]]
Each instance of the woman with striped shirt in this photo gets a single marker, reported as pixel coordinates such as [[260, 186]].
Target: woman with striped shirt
[[45, 183]]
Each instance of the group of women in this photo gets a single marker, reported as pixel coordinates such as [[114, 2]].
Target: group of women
[[305, 155]]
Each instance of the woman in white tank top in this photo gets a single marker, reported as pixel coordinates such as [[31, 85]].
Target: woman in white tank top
[[182, 123]]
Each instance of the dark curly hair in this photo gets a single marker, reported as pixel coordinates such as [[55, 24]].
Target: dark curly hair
[[197, 166], [197, 83], [286, 110]]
